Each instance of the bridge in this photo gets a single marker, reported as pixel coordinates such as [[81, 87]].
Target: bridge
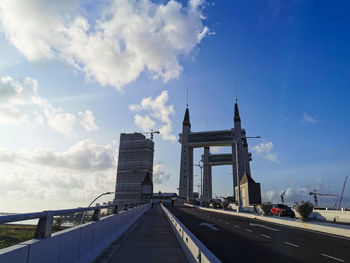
[[135, 232], [181, 232]]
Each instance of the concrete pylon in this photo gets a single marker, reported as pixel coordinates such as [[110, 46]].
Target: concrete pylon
[[238, 134], [186, 162], [207, 179]]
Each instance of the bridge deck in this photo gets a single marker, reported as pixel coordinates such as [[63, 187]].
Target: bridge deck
[[150, 240]]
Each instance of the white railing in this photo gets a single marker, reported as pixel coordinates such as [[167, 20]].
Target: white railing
[[83, 243], [194, 249]]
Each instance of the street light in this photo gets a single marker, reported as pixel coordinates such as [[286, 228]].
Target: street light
[[106, 193], [201, 196]]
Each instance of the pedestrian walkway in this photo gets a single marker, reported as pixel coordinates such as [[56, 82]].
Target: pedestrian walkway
[[151, 240]]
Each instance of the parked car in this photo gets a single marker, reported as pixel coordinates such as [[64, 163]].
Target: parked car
[[282, 210]]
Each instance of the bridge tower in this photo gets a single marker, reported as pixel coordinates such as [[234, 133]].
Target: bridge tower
[[244, 157], [186, 163]]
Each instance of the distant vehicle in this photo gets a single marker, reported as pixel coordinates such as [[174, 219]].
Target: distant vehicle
[[282, 210], [216, 203]]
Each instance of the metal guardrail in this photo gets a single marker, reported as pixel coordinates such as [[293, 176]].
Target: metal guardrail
[[44, 226]]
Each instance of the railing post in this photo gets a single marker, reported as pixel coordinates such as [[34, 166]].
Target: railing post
[[44, 227], [115, 210], [97, 214], [126, 207]]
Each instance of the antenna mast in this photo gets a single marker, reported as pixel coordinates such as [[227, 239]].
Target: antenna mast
[[186, 97], [236, 89]]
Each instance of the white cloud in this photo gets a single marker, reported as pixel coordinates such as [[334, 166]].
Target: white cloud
[[308, 118], [10, 115], [87, 120], [51, 179], [145, 123], [159, 174], [63, 123], [265, 149], [301, 193], [84, 155], [157, 115], [112, 47], [15, 94]]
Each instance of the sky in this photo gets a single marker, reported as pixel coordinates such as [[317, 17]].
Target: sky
[[75, 74]]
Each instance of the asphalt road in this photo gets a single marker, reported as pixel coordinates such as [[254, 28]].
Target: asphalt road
[[238, 239]]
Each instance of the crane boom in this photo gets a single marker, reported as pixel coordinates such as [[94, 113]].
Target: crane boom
[[326, 194], [151, 133], [282, 196], [315, 194], [342, 193]]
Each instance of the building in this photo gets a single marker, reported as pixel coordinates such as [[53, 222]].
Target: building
[[250, 191], [146, 188], [134, 162]]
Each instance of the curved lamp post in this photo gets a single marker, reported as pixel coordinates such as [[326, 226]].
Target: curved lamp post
[[106, 193]]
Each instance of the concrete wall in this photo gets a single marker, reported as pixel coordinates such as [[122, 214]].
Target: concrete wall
[[83, 243], [330, 215]]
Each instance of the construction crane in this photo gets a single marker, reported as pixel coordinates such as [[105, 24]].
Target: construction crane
[[342, 193], [282, 196], [152, 132], [315, 194]]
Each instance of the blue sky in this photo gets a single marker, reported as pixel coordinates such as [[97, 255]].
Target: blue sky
[[90, 63]]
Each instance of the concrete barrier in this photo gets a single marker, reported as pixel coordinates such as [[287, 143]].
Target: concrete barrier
[[79, 244], [340, 230], [194, 250], [331, 215]]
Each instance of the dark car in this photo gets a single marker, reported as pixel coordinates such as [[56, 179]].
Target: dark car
[[282, 210]]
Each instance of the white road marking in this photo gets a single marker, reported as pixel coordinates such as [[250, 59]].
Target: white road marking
[[209, 225], [227, 223], [219, 220], [291, 244], [248, 230], [328, 256], [265, 236], [312, 231], [263, 226], [236, 226]]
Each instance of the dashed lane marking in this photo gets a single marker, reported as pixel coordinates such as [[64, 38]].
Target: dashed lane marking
[[328, 256], [265, 236], [291, 244], [227, 223], [248, 230], [236, 226]]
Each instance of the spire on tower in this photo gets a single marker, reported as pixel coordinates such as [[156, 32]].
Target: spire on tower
[[186, 121], [236, 118]]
